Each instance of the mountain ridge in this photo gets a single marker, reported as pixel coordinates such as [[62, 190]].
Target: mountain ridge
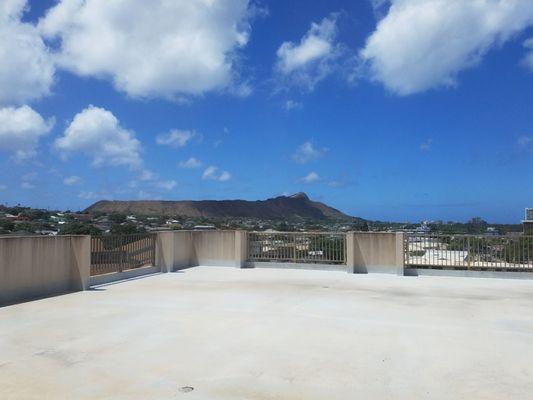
[[297, 205]]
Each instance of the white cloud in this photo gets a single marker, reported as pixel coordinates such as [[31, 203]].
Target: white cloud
[[72, 180], [175, 138], [292, 105], [423, 44], [209, 173], [167, 185], [3, 187], [311, 177], [20, 130], [164, 49], [311, 60], [307, 152], [426, 146], [142, 195], [28, 181], [147, 175], [224, 176], [525, 140], [26, 69], [97, 133], [88, 195], [525, 143], [528, 59], [212, 173], [30, 176], [27, 185], [191, 163], [336, 184]]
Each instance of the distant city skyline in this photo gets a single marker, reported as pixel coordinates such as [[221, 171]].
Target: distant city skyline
[[395, 110]]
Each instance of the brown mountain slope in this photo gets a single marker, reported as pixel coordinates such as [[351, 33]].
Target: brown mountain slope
[[298, 205]]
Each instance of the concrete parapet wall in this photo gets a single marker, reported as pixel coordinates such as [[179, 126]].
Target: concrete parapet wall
[[379, 252], [216, 248], [367, 252], [37, 266], [182, 249]]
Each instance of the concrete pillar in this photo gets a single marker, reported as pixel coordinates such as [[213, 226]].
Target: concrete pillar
[[164, 251], [241, 248], [378, 252], [350, 258], [184, 254], [80, 272], [400, 255]]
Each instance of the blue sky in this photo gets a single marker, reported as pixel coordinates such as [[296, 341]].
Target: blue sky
[[393, 110]]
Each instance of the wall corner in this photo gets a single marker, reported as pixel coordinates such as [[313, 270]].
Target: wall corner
[[350, 252], [164, 251], [400, 253], [241, 248], [81, 271]]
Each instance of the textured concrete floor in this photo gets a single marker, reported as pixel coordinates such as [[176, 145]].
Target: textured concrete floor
[[273, 334]]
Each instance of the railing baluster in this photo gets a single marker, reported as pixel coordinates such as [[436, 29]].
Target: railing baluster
[[116, 253], [296, 247], [473, 252]]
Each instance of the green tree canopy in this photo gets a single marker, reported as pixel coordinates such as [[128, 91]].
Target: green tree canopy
[[79, 228]]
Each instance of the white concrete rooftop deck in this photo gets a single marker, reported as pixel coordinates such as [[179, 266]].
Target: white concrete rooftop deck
[[273, 334]]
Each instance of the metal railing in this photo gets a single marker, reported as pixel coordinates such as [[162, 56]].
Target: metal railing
[[116, 253], [296, 247], [509, 253]]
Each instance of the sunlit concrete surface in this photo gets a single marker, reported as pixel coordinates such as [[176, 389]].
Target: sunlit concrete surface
[[273, 334]]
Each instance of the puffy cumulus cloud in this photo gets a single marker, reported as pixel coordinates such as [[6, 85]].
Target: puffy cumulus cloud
[[423, 44], [151, 49], [175, 138], [311, 177], [312, 59], [307, 152], [20, 130], [213, 173], [97, 133], [191, 163], [26, 67]]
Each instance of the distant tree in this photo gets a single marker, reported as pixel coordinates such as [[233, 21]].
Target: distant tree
[[126, 229], [364, 226], [6, 225], [477, 221], [283, 227], [79, 228], [117, 218], [476, 225], [23, 227]]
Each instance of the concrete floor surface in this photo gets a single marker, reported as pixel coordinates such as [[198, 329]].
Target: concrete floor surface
[[273, 334]]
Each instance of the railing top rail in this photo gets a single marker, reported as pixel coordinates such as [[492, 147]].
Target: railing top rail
[[469, 235], [106, 235], [296, 233]]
